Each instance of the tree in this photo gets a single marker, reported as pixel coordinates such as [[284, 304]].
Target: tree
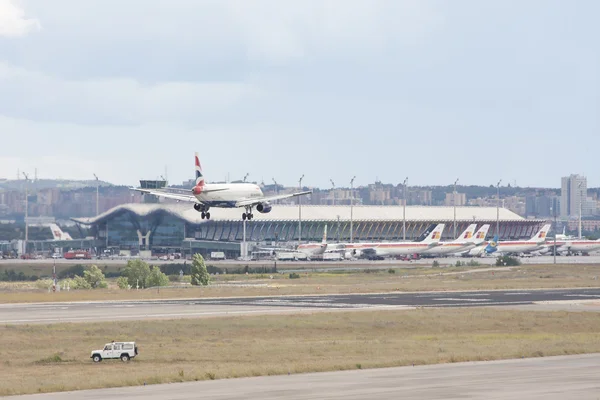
[[137, 272], [95, 277], [200, 275], [157, 278], [122, 282], [79, 282]]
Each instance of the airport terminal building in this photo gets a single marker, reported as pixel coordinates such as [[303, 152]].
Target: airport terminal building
[[166, 228]]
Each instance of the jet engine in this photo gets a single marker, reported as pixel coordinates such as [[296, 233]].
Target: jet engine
[[264, 207], [198, 207], [350, 254]]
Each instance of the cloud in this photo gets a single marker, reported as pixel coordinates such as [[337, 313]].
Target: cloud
[[40, 97], [274, 30], [13, 22]]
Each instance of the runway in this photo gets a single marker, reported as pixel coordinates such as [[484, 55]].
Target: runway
[[211, 307], [551, 378], [301, 265]]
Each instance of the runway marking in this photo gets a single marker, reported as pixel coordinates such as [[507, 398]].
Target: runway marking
[[582, 295], [517, 294], [459, 299], [204, 313]]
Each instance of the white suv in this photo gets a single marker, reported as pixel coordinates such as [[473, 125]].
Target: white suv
[[123, 350]]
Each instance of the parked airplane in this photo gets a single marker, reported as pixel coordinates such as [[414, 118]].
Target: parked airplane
[[223, 195], [58, 234], [390, 249], [314, 249], [519, 246], [466, 241], [575, 246]]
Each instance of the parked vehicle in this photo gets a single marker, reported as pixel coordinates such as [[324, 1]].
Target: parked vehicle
[[123, 350]]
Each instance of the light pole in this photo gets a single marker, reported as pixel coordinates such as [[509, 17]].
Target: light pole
[[351, 208], [26, 210], [498, 208], [300, 211], [276, 189], [332, 190], [246, 176], [404, 209], [454, 203], [580, 206], [553, 209], [97, 186]]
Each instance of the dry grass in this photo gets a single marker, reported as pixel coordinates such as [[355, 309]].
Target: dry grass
[[40, 358], [404, 280]]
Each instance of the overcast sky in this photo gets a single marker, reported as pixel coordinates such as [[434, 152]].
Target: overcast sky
[[432, 90]]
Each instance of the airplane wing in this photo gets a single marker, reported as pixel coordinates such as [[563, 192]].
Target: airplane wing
[[252, 202], [176, 196], [167, 195]]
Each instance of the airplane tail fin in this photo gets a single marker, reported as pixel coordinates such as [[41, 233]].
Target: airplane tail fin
[[435, 235], [58, 234], [324, 235], [481, 234], [492, 246], [199, 176], [541, 235], [467, 234]]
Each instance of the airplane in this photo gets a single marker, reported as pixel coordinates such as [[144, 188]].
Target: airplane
[[223, 195], [58, 234], [391, 249], [309, 249], [314, 249], [519, 246], [466, 241], [574, 246]]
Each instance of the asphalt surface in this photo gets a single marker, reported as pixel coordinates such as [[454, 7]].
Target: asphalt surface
[[346, 264], [551, 378], [195, 308]]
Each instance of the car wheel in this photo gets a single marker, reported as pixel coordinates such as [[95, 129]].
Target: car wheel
[[124, 357], [97, 358]]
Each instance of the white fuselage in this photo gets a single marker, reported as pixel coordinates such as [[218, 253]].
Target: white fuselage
[[518, 246], [389, 249], [312, 249], [576, 246], [449, 248], [226, 195]]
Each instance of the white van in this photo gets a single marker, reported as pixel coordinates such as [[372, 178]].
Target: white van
[[123, 350]]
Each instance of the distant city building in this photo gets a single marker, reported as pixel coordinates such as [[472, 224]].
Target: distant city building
[[515, 204], [542, 206], [419, 197], [573, 195], [458, 199]]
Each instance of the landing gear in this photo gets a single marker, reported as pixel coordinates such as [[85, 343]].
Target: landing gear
[[248, 214], [202, 209]]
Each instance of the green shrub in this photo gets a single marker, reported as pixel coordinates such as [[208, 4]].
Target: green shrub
[[391, 271], [75, 270], [123, 283], [200, 276], [137, 271], [294, 275], [94, 276], [156, 278], [507, 261], [435, 264], [43, 283]]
